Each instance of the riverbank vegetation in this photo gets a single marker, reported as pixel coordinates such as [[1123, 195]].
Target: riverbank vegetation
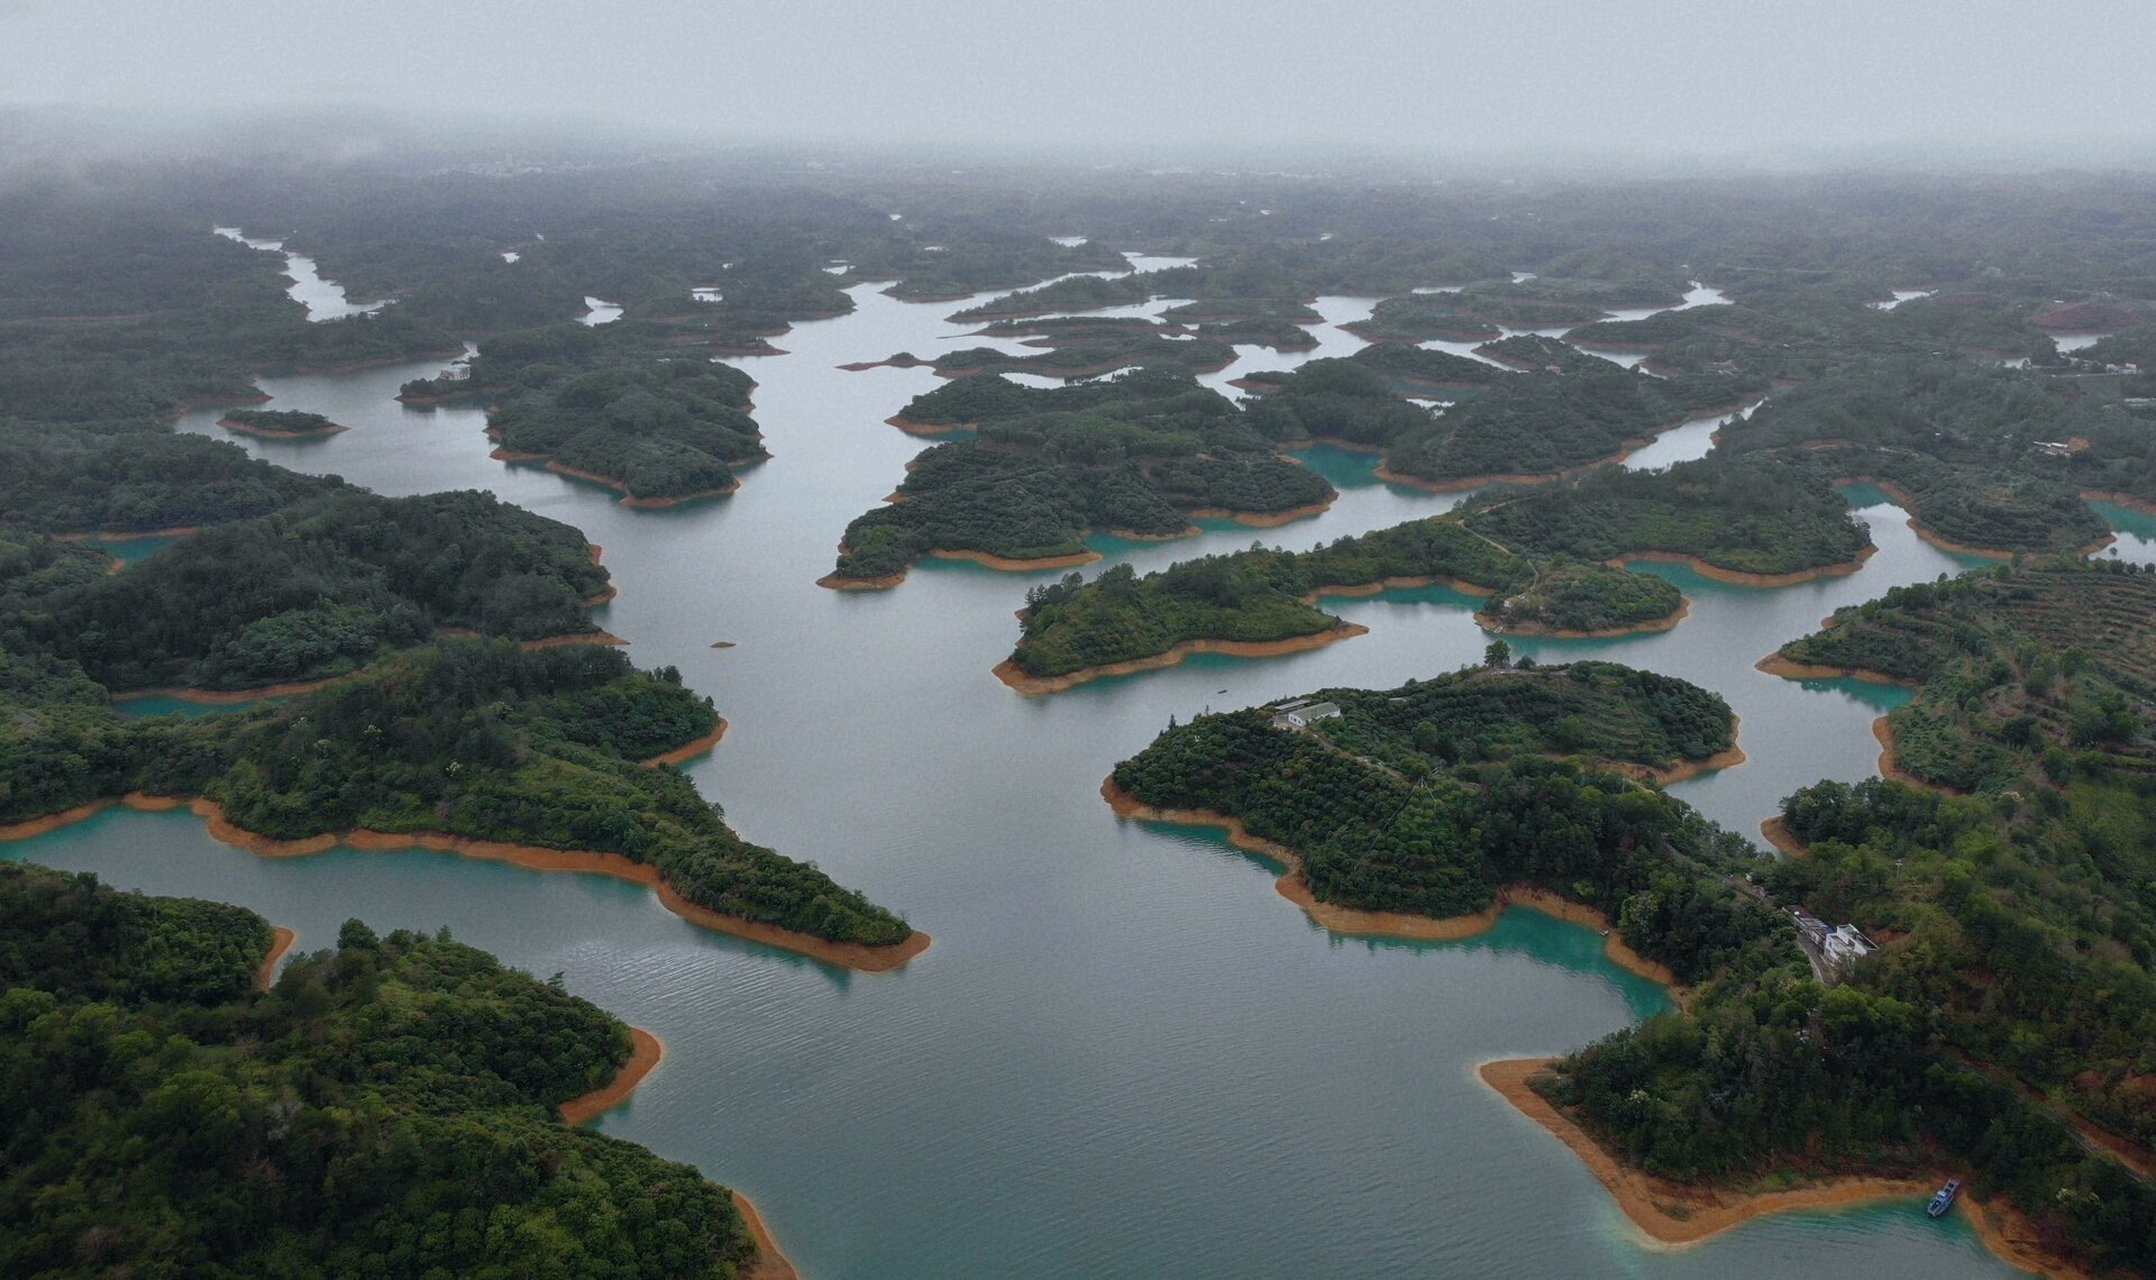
[[164, 1116]]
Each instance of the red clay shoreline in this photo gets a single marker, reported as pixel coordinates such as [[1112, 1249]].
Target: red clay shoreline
[[1358, 923], [281, 940], [1032, 686], [641, 504], [645, 1054], [849, 955], [769, 1263], [1777, 833], [230, 697], [691, 749], [1908, 503], [1675, 1215], [1737, 577], [1775, 664], [181, 531]]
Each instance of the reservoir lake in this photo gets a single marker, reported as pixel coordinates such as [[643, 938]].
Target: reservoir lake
[[1125, 1055]]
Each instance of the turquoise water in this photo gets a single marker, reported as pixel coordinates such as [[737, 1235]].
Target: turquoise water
[[139, 708], [1125, 1055], [131, 550]]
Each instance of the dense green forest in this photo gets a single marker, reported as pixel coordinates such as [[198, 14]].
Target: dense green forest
[[1986, 457], [1140, 453], [1768, 515], [73, 479], [2016, 917], [1544, 421], [2055, 659], [2011, 1003], [481, 740], [1429, 798], [314, 590], [1550, 418], [164, 1119]]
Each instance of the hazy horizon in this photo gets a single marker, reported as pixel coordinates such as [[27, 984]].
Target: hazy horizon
[[1661, 84]]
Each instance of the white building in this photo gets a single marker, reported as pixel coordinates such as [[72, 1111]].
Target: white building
[[1301, 715]]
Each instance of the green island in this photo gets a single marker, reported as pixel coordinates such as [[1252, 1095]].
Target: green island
[[1432, 799], [1075, 354], [537, 756], [1548, 555], [1582, 599], [1755, 521], [662, 431], [279, 424], [1421, 317], [2001, 1022], [1548, 420], [1140, 454], [624, 405], [167, 1118]]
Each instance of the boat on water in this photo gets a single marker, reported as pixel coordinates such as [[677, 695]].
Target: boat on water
[[1944, 1200]]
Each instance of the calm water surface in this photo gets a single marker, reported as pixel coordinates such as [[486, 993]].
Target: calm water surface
[[1125, 1055], [324, 299]]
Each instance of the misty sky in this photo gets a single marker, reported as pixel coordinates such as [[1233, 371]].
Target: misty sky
[[1752, 78]]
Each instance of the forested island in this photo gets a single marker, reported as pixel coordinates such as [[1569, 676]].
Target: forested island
[[1413, 810], [1141, 455], [279, 424], [166, 1117], [621, 405]]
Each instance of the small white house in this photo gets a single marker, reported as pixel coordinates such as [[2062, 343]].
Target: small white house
[[1845, 946], [1301, 715]]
